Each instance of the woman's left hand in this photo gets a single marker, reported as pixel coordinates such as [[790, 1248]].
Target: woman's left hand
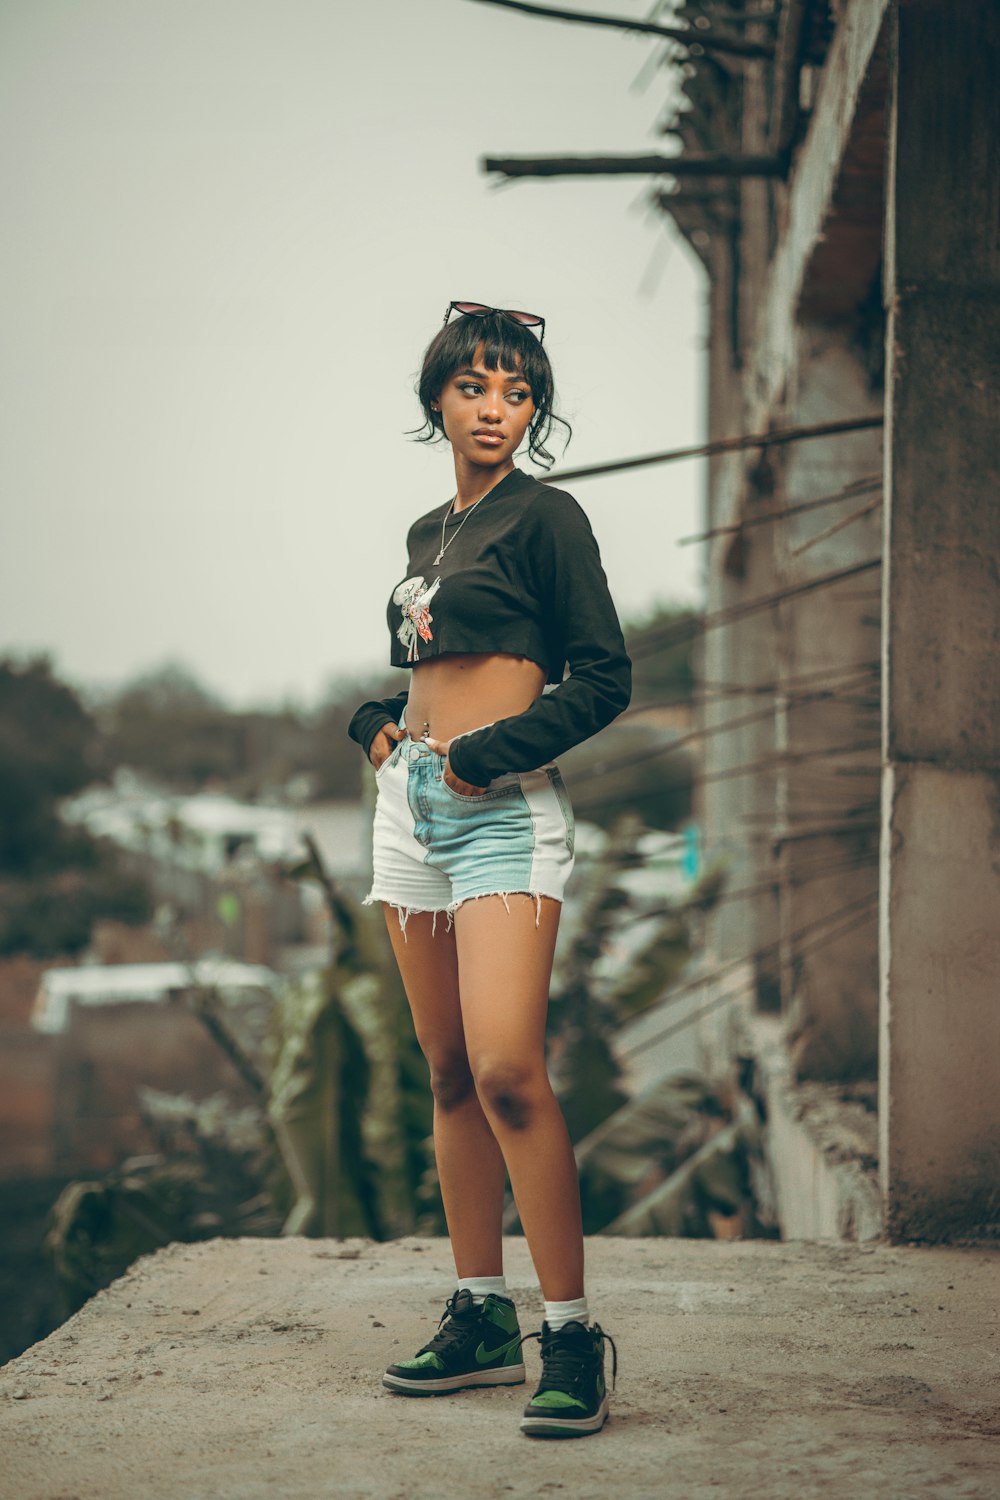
[[463, 788]]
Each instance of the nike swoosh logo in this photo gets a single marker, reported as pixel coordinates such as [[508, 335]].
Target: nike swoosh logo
[[484, 1355]]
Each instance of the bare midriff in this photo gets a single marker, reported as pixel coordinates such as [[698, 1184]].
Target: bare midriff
[[452, 694]]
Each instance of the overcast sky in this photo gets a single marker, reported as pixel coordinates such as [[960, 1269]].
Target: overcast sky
[[230, 229]]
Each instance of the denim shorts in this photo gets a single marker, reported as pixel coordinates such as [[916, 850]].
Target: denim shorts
[[435, 849]]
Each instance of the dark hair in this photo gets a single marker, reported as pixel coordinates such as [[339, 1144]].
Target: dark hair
[[506, 345]]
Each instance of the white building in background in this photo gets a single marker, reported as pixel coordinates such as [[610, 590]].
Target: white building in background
[[206, 831], [121, 984]]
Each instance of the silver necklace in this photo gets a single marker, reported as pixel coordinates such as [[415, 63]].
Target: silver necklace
[[446, 544]]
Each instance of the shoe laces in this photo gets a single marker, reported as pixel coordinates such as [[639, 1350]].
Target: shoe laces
[[564, 1360], [454, 1326]]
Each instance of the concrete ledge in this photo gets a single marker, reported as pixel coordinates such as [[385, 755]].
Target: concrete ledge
[[245, 1369], [823, 1151]]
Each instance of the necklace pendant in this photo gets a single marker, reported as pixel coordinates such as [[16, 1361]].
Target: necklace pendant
[[437, 560]]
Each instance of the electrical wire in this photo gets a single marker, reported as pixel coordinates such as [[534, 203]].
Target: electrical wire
[[838, 525], [634, 757], [674, 634], [716, 692], [765, 518], [870, 903], [722, 445], [802, 878]]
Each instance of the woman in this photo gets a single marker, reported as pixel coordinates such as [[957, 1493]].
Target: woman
[[504, 587]]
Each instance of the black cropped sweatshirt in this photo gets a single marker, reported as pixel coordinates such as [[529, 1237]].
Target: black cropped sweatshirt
[[523, 576]]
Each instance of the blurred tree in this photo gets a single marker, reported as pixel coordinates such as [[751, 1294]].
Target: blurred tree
[[630, 766], [379, 1145], [336, 761], [52, 914], [580, 1022], [49, 748], [632, 1152], [166, 723], [54, 879], [214, 1174], [662, 648]]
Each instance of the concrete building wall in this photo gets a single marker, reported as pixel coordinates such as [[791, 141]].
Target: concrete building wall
[[880, 798], [800, 822], [826, 812], [940, 958]]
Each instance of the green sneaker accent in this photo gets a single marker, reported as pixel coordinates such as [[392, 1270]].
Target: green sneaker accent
[[422, 1362], [486, 1356], [500, 1314], [557, 1399]]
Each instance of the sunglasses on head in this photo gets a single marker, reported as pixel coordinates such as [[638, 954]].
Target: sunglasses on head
[[479, 310]]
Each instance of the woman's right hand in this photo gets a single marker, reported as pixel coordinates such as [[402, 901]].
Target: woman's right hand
[[384, 743]]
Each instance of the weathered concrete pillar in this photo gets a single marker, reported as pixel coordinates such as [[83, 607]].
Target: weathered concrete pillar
[[940, 853], [826, 813], [736, 802]]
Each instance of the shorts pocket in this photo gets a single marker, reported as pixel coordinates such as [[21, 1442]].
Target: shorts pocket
[[565, 806], [392, 756], [498, 787]]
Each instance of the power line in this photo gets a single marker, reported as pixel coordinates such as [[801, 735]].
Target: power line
[[838, 525], [788, 758], [805, 877], [628, 794], [676, 632], [857, 487], [779, 684], [721, 445], [709, 691], [760, 715], [713, 1004], [866, 907], [797, 830]]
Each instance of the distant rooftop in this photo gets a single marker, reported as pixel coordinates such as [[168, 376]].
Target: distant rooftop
[[110, 984]]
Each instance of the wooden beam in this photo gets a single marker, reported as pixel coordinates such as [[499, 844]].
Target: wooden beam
[[687, 37], [710, 164], [785, 99]]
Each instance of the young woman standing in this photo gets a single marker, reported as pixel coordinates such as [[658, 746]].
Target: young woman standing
[[473, 844]]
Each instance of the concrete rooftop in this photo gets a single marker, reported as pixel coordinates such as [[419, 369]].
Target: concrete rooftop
[[251, 1368]]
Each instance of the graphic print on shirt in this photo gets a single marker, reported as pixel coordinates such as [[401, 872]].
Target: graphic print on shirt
[[413, 598]]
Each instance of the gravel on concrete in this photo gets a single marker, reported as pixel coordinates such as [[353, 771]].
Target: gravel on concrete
[[237, 1369]]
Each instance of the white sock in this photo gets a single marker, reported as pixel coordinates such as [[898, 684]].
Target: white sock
[[481, 1286], [558, 1314]]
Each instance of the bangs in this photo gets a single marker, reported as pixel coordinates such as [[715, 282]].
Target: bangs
[[506, 345]]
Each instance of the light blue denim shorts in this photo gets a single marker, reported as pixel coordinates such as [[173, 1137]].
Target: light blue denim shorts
[[435, 849]]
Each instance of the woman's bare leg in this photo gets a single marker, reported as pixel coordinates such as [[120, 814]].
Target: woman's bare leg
[[469, 1162], [504, 965]]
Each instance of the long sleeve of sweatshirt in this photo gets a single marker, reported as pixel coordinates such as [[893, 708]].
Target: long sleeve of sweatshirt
[[373, 716], [564, 574]]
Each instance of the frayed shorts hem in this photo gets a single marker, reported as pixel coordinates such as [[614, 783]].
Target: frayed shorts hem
[[404, 910]]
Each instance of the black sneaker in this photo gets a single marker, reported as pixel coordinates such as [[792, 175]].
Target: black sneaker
[[572, 1398], [473, 1346]]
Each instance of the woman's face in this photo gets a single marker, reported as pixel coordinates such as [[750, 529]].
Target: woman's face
[[485, 412]]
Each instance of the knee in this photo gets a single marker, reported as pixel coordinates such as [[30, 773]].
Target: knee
[[451, 1079], [511, 1092]]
